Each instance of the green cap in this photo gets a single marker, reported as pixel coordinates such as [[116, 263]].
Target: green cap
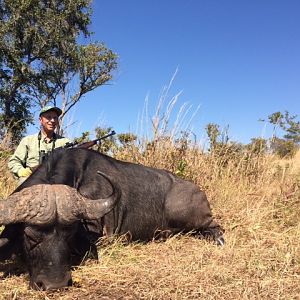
[[49, 108]]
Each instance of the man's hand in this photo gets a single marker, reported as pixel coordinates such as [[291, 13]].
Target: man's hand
[[25, 172]]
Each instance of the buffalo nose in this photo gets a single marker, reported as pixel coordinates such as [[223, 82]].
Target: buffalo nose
[[43, 283]]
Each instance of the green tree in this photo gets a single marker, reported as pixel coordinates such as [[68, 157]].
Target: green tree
[[288, 145], [213, 133], [257, 146], [41, 58], [277, 120], [85, 137], [127, 139], [284, 148], [108, 144], [217, 138], [292, 128]]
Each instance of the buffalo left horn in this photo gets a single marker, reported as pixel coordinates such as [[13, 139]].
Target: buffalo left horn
[[76, 206]]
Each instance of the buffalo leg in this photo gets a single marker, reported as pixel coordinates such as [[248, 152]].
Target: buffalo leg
[[188, 209]]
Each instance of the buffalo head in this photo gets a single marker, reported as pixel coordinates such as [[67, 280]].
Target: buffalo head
[[43, 221]]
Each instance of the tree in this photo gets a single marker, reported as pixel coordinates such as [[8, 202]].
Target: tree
[[127, 139], [287, 123], [284, 148], [257, 146], [288, 145], [107, 144], [217, 138], [292, 128], [40, 58], [277, 120], [213, 133]]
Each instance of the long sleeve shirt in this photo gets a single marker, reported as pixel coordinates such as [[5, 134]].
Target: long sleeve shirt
[[28, 151]]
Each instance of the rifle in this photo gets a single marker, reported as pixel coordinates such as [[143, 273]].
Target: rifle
[[87, 145]]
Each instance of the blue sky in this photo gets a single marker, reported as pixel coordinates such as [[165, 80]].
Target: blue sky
[[238, 60]]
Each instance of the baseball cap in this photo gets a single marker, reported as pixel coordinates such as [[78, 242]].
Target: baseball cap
[[48, 108]]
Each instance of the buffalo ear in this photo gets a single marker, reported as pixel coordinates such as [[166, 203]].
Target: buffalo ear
[[10, 241], [6, 251]]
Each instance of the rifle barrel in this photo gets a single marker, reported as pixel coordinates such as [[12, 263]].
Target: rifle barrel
[[94, 142]]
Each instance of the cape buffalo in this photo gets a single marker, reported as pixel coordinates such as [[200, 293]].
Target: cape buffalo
[[59, 212]]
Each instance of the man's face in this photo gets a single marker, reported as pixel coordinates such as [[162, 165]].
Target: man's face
[[49, 120]]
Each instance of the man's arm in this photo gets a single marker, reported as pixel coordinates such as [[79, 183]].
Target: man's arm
[[17, 162]]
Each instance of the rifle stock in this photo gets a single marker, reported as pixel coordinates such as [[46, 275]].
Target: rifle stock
[[87, 145]]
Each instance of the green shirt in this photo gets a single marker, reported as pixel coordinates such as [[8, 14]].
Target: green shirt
[[27, 152]]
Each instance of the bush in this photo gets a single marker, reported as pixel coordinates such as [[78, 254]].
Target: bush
[[284, 148]]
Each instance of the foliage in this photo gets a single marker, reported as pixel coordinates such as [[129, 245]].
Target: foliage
[[127, 139], [276, 119], [292, 128], [107, 145], [257, 146], [40, 58], [284, 148], [287, 145], [110, 144], [217, 138], [85, 137], [287, 123], [213, 133], [182, 144]]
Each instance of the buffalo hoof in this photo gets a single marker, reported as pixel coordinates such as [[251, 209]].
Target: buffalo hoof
[[220, 241], [215, 235]]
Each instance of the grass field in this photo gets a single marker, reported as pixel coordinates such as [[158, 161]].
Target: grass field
[[256, 198]]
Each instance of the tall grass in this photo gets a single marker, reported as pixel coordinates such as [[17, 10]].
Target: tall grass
[[255, 197], [7, 182]]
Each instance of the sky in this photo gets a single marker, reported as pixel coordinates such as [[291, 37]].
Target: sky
[[230, 62]]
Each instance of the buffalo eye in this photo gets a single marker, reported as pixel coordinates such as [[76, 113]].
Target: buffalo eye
[[33, 237]]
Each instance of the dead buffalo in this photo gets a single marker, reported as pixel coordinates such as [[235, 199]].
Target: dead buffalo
[[59, 212]]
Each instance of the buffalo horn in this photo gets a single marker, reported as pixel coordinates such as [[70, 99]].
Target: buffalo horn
[[41, 204], [34, 205], [3, 242], [76, 206]]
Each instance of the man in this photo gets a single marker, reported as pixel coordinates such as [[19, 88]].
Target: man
[[33, 148]]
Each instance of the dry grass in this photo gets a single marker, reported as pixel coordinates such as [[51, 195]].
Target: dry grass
[[184, 268], [7, 182], [255, 198]]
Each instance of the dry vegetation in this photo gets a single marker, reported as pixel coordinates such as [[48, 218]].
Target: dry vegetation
[[255, 198]]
